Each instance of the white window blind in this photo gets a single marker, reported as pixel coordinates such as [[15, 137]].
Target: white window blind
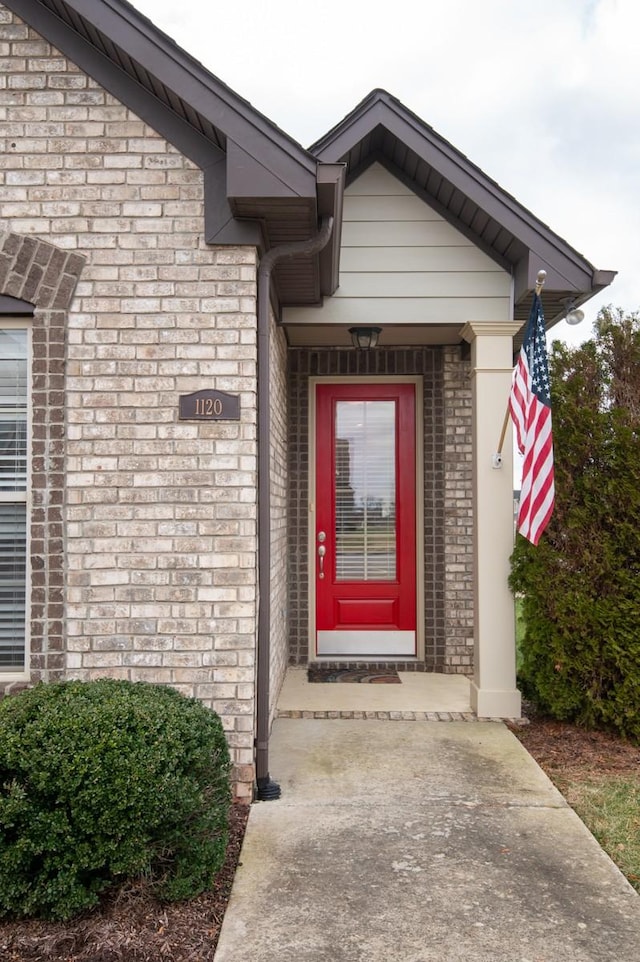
[[13, 496], [365, 492]]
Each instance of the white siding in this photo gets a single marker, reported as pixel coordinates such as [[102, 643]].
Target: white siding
[[402, 263]]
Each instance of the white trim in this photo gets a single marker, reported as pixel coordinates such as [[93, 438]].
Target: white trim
[[9, 323], [418, 642], [363, 644]]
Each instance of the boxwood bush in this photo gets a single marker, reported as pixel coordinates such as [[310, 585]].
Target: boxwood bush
[[104, 781]]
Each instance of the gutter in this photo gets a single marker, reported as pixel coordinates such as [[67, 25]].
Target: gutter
[[266, 788]]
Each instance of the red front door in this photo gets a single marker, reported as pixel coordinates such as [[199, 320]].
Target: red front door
[[365, 523]]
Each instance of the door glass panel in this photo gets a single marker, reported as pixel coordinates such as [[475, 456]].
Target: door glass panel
[[365, 491]]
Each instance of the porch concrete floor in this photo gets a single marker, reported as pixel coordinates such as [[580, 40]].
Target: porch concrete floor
[[418, 691]]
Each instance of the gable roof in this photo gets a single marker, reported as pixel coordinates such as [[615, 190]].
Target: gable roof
[[382, 129], [263, 188]]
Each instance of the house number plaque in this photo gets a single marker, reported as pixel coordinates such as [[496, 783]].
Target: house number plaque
[[209, 406]]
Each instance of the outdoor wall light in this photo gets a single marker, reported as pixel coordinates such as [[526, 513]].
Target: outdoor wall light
[[573, 314], [364, 338]]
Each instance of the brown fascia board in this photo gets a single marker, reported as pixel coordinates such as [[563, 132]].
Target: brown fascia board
[[527, 269], [220, 226], [145, 44], [526, 272], [331, 181], [248, 177], [379, 108], [602, 279], [245, 177]]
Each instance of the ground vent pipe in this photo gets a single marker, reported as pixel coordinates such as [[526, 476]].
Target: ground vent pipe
[[267, 789]]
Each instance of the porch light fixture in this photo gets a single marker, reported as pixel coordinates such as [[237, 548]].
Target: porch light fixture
[[573, 314], [364, 338]]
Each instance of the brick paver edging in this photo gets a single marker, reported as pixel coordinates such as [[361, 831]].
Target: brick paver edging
[[445, 716]]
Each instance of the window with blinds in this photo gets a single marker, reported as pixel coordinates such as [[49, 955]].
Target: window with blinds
[[365, 492], [14, 375]]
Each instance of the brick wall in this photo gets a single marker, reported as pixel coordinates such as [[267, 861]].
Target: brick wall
[[159, 515], [279, 647], [458, 512], [448, 543], [36, 271]]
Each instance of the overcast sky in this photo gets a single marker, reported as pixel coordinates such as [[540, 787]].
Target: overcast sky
[[543, 95]]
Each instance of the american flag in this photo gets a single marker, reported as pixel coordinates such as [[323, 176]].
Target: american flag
[[530, 407]]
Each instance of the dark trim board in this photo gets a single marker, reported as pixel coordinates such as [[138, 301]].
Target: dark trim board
[[15, 307]]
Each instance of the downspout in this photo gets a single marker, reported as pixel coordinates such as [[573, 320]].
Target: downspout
[[266, 788]]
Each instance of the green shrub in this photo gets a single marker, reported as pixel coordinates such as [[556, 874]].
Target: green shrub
[[101, 782], [580, 586]]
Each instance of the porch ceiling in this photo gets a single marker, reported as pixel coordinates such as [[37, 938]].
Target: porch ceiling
[[396, 335]]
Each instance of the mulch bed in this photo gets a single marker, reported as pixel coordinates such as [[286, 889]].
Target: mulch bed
[[131, 926], [559, 747]]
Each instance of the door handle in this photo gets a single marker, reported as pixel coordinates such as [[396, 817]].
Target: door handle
[[321, 553]]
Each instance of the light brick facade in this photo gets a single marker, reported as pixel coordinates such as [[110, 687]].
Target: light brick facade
[[155, 517]]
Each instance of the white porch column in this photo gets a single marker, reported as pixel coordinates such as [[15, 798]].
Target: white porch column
[[493, 689]]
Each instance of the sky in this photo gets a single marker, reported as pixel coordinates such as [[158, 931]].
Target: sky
[[542, 95]]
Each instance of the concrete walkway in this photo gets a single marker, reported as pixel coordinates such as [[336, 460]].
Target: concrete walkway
[[418, 841]]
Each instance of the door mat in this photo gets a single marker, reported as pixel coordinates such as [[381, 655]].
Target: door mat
[[383, 676]]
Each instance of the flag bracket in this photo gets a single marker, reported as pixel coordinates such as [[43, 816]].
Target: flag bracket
[[497, 457]]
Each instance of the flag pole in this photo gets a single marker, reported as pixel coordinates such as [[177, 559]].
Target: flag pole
[[497, 458]]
